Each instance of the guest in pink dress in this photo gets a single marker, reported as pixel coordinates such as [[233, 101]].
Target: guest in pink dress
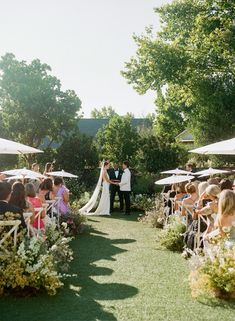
[[36, 203]]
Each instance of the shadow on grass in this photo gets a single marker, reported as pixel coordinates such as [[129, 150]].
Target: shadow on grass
[[77, 301], [214, 302]]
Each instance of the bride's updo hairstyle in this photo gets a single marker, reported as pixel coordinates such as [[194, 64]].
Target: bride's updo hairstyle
[[106, 163], [227, 203]]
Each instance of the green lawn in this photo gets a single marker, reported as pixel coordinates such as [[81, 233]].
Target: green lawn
[[122, 275]]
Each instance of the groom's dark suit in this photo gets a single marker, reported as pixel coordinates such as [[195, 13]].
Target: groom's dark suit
[[115, 175]]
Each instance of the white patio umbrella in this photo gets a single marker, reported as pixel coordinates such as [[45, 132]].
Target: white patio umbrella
[[23, 172], [225, 147], [21, 177], [174, 179], [62, 174], [177, 171], [211, 171], [11, 147]]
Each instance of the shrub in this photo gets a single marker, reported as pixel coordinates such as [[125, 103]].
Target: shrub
[[155, 216], [74, 222], [143, 184], [142, 202], [214, 274], [172, 236], [32, 267]]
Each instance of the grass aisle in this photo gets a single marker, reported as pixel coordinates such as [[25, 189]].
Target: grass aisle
[[121, 276]]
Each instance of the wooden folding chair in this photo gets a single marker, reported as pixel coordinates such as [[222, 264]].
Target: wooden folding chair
[[15, 224]]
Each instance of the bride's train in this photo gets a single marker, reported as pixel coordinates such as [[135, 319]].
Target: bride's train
[[104, 203]]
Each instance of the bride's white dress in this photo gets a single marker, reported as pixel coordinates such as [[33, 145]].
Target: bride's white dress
[[104, 203]]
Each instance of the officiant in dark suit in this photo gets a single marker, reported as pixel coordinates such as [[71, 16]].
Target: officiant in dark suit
[[115, 175]]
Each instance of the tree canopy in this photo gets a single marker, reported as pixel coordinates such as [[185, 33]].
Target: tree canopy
[[33, 106], [104, 112], [118, 140], [190, 65]]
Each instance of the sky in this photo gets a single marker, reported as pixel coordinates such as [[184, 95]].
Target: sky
[[86, 43]]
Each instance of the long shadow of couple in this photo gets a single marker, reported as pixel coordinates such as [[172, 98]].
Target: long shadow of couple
[[85, 290]]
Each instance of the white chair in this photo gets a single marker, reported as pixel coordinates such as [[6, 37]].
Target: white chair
[[27, 218], [53, 205], [15, 224], [200, 235], [38, 214], [189, 213]]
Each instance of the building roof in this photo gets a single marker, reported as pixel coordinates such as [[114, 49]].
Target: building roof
[[90, 126], [185, 137]]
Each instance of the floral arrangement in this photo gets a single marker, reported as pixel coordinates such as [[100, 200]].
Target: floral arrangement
[[9, 242], [172, 235], [73, 223], [155, 216], [142, 202], [36, 263], [214, 273], [30, 269]]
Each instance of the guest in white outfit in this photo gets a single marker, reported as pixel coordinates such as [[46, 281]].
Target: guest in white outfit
[[125, 186]]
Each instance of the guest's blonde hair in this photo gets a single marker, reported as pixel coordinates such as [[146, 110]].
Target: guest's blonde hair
[[213, 190], [226, 203], [202, 187]]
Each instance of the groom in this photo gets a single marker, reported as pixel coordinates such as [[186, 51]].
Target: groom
[[125, 186], [115, 175]]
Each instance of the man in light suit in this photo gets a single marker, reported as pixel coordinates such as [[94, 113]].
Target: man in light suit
[[125, 186]]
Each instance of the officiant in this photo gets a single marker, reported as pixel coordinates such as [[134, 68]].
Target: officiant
[[115, 175]]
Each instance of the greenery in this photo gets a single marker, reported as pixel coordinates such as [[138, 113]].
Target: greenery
[[142, 202], [29, 93], [103, 113], [74, 222], [155, 216], [118, 140], [214, 274], [190, 66], [31, 267], [128, 278], [171, 237]]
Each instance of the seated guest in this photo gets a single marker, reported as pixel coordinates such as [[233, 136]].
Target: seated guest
[[18, 199], [63, 193], [202, 195], [225, 184], [5, 194], [212, 194], [213, 181], [226, 213], [35, 182], [46, 190], [191, 199], [48, 168], [36, 203], [180, 194]]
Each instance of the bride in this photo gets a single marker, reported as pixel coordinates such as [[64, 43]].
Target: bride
[[104, 204]]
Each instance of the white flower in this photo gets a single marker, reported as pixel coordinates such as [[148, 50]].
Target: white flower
[[64, 224], [54, 247], [231, 270], [226, 229]]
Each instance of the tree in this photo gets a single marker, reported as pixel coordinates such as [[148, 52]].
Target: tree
[[104, 112], [33, 106], [156, 154], [77, 154], [118, 140], [192, 60]]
